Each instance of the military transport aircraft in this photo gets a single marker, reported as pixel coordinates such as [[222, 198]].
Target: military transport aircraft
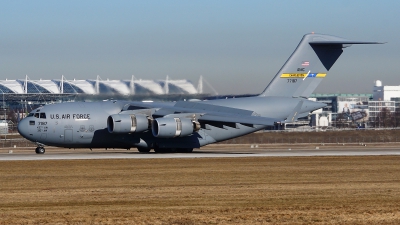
[[184, 125]]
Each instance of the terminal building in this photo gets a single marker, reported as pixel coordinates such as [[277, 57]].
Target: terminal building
[[97, 86], [58, 90], [19, 96], [359, 110]]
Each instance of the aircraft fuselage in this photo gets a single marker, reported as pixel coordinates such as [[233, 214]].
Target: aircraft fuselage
[[84, 124]]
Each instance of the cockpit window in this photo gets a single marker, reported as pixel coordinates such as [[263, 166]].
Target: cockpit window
[[38, 115]]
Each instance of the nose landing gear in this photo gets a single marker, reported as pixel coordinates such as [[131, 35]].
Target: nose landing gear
[[40, 148]]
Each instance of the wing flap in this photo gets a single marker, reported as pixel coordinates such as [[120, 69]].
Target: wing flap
[[257, 120]]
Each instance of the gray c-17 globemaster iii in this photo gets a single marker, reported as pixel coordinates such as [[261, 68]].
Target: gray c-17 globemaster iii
[[184, 125]]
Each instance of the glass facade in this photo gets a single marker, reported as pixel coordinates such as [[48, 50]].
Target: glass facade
[[5, 89], [376, 107], [33, 88], [68, 87], [141, 87]]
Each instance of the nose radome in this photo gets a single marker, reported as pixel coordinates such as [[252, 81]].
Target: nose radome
[[23, 128]]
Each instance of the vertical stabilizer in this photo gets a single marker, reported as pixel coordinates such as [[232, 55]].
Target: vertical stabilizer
[[308, 65]]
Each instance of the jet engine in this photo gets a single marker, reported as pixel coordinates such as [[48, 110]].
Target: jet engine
[[168, 127], [126, 123]]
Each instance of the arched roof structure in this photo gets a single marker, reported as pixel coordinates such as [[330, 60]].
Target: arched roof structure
[[93, 87]]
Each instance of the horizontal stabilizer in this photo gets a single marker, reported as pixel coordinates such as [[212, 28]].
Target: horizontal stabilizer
[[347, 42]]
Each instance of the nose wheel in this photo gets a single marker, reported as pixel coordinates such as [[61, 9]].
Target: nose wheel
[[40, 148]]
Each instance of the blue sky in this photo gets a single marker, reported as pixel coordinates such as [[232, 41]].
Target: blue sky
[[238, 46]]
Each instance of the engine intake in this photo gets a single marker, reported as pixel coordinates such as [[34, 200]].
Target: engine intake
[[126, 123], [168, 127]]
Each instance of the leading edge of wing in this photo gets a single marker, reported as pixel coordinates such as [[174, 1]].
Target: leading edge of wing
[[256, 120], [346, 42]]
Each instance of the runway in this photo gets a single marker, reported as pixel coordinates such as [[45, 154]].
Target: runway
[[216, 152]]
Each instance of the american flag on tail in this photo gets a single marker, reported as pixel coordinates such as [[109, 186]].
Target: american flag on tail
[[305, 63]]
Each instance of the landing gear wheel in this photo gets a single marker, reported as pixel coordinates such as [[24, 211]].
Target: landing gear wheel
[[143, 150], [40, 150]]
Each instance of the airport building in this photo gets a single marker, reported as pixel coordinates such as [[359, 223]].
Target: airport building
[[20, 96], [27, 91], [359, 110], [385, 93], [97, 86]]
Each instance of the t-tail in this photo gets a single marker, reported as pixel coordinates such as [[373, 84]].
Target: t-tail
[[308, 65]]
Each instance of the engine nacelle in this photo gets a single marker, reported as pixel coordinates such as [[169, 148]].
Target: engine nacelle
[[127, 123], [168, 127]]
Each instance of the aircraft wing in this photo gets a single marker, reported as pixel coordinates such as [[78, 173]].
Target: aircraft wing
[[207, 112]]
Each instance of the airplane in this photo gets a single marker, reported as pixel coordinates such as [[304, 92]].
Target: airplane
[[184, 125]]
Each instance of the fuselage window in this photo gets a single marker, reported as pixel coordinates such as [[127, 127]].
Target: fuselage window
[[31, 122], [37, 115], [43, 115], [30, 114]]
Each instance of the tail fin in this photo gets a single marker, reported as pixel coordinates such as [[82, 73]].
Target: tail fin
[[308, 64]]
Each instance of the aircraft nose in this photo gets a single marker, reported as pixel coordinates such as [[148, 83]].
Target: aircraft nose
[[23, 128]]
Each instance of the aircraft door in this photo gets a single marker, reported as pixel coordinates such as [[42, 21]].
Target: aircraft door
[[32, 129], [68, 137]]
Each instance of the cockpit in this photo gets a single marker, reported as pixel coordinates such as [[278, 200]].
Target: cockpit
[[37, 115]]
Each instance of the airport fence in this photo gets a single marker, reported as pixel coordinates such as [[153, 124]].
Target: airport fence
[[309, 140], [314, 137], [16, 142]]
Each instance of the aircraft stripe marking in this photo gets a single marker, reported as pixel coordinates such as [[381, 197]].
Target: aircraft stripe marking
[[303, 75], [307, 75]]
